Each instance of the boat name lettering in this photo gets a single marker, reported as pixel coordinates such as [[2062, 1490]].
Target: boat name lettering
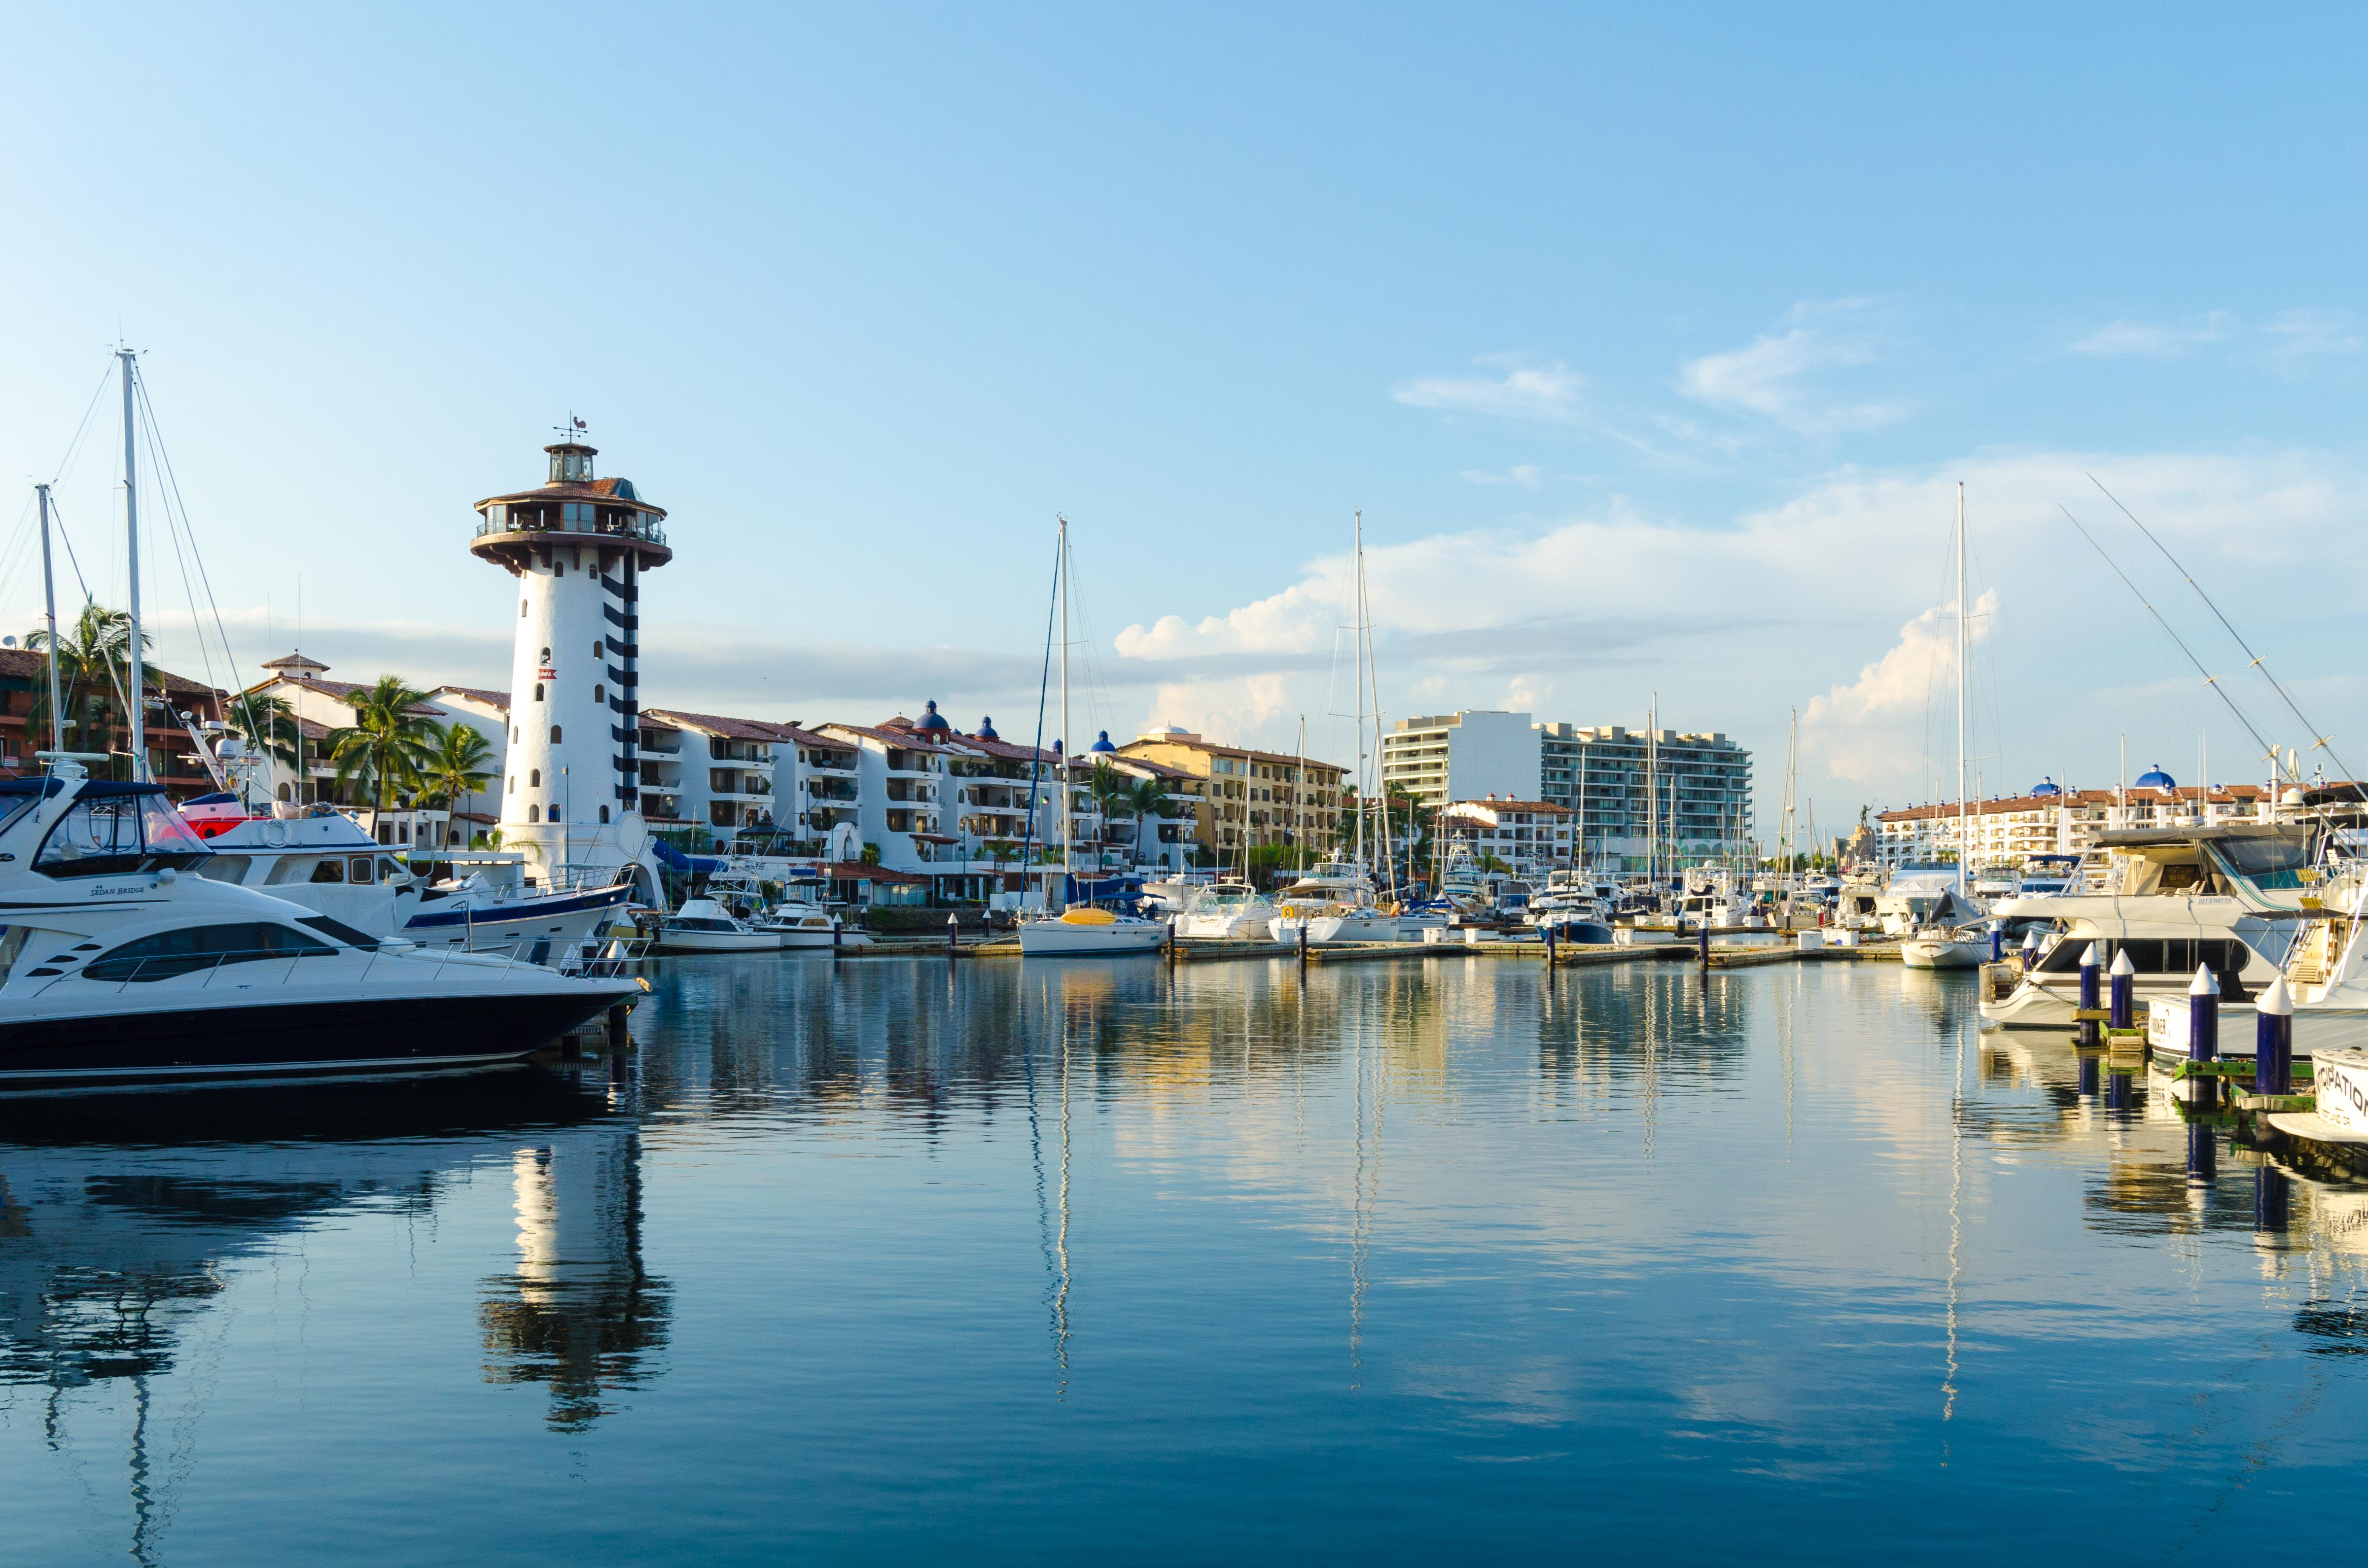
[[2345, 1088]]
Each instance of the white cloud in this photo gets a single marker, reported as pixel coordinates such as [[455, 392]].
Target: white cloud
[[2156, 339], [1859, 729], [1784, 375], [1547, 394], [2308, 330], [1527, 475]]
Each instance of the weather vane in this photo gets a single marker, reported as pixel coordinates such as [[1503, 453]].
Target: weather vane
[[574, 428]]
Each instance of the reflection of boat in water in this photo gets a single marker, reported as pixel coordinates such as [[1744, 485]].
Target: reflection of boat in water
[[120, 1239]]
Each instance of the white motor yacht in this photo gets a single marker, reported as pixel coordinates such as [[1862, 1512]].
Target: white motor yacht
[[1229, 911], [324, 861], [703, 925], [122, 961], [1334, 902], [2226, 897]]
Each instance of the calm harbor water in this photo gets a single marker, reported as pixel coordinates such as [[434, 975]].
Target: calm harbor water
[[995, 1261]]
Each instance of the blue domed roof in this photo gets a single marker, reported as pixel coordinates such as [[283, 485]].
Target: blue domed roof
[[2047, 787], [987, 729], [2156, 778], [933, 719], [1103, 743]]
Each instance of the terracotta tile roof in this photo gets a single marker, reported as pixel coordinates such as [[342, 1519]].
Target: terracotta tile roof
[[29, 663], [340, 689], [491, 699], [1508, 805], [856, 872], [1284, 759], [2222, 795], [904, 738], [718, 724]]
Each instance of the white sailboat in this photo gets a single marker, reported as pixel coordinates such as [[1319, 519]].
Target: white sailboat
[[1334, 902], [1083, 931], [1938, 946]]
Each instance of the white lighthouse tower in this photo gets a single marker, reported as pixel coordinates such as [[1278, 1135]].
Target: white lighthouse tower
[[578, 547]]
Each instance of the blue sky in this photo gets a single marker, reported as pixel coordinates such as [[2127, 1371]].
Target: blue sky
[[1649, 343]]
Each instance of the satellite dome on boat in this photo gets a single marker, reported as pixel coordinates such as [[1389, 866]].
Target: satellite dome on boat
[[987, 729], [1103, 742], [2156, 778], [933, 719], [2046, 787]]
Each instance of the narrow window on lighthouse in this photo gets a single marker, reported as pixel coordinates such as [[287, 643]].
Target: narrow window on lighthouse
[[513, 783], [534, 778], [554, 811], [534, 814], [604, 813], [554, 735], [598, 647], [600, 694], [537, 691], [521, 609]]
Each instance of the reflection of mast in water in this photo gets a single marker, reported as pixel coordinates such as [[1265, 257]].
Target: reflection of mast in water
[[579, 1312], [1054, 1259], [1360, 1213], [1956, 1190]]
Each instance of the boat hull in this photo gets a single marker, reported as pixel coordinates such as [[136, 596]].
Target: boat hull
[[718, 942], [292, 1038], [1942, 952], [1057, 940]]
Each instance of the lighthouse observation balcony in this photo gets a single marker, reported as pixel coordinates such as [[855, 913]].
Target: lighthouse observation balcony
[[510, 528]]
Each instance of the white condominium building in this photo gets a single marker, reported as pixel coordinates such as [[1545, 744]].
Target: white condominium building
[[2052, 820], [1531, 838], [1463, 756]]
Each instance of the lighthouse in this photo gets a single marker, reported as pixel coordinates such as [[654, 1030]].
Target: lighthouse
[[576, 548]]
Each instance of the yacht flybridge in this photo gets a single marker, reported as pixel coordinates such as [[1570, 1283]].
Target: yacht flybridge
[[121, 961]]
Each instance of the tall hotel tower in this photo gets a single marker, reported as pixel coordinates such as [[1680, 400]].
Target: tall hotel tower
[[578, 546]]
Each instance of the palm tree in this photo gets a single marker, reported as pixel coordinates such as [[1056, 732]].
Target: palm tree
[[390, 741], [94, 674], [1108, 789], [268, 725], [1146, 798], [457, 767]]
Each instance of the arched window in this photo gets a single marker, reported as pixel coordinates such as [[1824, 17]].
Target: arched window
[[534, 778], [521, 609], [559, 568], [554, 735], [546, 656], [513, 734], [284, 793], [554, 811], [604, 813], [599, 693], [534, 814], [598, 647], [537, 691], [513, 783]]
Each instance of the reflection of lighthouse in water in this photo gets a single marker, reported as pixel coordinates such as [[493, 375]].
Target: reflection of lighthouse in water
[[579, 1312]]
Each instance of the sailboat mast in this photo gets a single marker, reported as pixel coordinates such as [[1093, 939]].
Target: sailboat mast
[[1965, 845], [1068, 827], [1364, 803], [1374, 686], [1298, 783], [49, 610], [131, 535], [1653, 789]]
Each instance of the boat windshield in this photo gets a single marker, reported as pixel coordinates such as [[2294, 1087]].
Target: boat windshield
[[2268, 862], [105, 833]]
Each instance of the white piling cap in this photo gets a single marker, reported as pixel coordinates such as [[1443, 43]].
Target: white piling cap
[[2204, 983], [2276, 1002], [2088, 960], [2121, 964], [2031, 938]]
